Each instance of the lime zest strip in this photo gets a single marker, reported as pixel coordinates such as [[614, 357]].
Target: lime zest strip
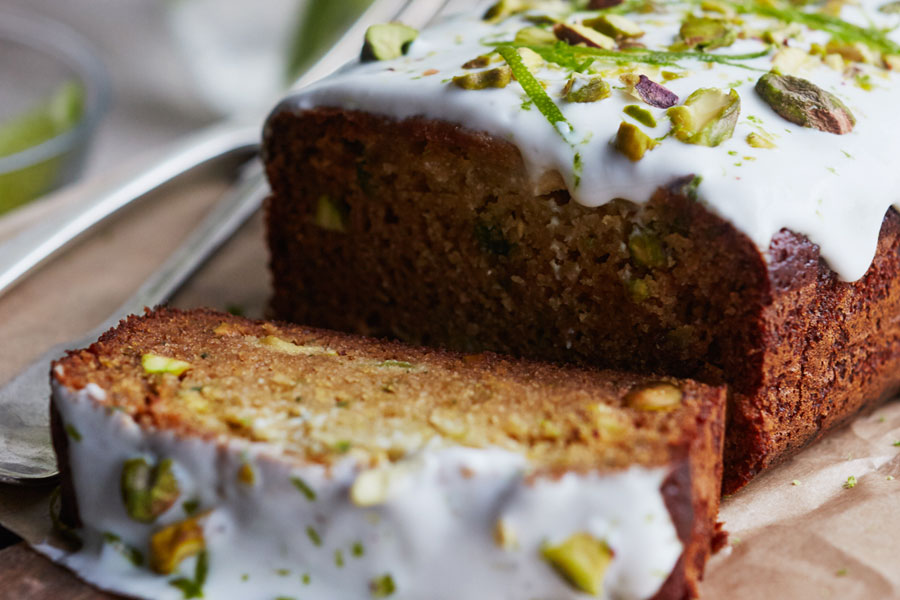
[[535, 90]]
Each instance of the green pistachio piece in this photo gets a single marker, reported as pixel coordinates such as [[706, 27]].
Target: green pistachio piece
[[891, 62], [804, 103], [707, 117], [498, 77], [852, 51], [531, 59], [171, 545], [705, 33], [148, 491], [657, 397], [153, 363], [641, 115], [478, 62], [534, 36], [646, 249], [760, 140], [716, 6], [632, 142], [592, 90], [382, 587], [505, 8], [891, 8], [578, 34], [582, 560], [331, 215], [615, 26], [388, 41]]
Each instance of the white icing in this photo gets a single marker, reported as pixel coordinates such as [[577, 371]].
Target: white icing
[[434, 534], [833, 188]]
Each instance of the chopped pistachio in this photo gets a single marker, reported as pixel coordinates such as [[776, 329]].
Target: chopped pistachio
[[646, 249], [153, 363], [850, 483], [174, 543], [615, 26], [388, 41], [579, 34], [641, 115], [331, 215], [670, 75], [761, 140], [531, 59], [383, 586], [891, 8], [313, 536], [148, 492], [582, 560], [73, 432], [246, 474], [399, 364], [641, 86], [534, 36], [505, 536], [655, 397], [281, 345], [505, 8], [795, 482], [852, 51], [891, 62], [716, 6], [592, 90], [479, 62], [841, 572], [632, 142], [304, 488], [705, 33], [707, 117], [790, 61], [802, 102], [339, 558], [357, 550], [498, 77]]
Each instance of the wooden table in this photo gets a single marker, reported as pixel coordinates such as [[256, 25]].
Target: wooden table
[[26, 574]]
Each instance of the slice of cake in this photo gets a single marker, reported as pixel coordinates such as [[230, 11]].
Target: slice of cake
[[206, 453], [698, 189]]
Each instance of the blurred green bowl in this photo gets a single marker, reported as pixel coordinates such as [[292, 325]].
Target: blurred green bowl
[[53, 93]]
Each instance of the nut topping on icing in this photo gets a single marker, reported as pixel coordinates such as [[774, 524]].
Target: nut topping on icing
[[655, 397], [498, 77], [148, 491], [171, 545], [707, 117], [804, 103], [592, 90], [704, 33], [648, 90], [578, 34], [632, 142], [615, 26], [388, 41], [582, 560]]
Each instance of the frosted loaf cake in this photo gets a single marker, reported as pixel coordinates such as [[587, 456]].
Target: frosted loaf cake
[[208, 454], [702, 189]]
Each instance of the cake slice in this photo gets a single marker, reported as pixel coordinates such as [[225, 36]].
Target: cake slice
[[207, 453]]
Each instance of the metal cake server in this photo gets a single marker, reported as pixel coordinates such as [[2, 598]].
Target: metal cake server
[[26, 453]]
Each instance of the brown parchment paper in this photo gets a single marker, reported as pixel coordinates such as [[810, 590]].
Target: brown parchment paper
[[796, 532]]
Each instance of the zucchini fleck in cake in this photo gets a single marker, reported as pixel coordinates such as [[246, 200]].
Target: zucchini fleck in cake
[[703, 189], [204, 454]]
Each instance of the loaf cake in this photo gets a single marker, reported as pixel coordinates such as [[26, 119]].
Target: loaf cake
[[204, 453], [701, 189]]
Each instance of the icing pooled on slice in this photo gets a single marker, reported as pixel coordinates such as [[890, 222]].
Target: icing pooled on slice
[[170, 517], [820, 161]]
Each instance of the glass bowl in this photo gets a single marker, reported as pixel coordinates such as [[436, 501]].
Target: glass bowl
[[53, 93]]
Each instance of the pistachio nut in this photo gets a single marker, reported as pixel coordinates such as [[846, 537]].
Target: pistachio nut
[[148, 491], [632, 142], [174, 543], [388, 41], [582, 560], [660, 396], [804, 103], [707, 117], [153, 363], [498, 77], [579, 34]]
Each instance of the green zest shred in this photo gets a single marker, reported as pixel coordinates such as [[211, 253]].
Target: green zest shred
[[578, 58], [838, 28], [533, 88]]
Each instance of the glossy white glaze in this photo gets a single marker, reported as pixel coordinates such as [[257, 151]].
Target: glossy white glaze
[[433, 532], [834, 189]]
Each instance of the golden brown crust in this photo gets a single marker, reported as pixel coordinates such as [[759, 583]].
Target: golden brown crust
[[447, 243]]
